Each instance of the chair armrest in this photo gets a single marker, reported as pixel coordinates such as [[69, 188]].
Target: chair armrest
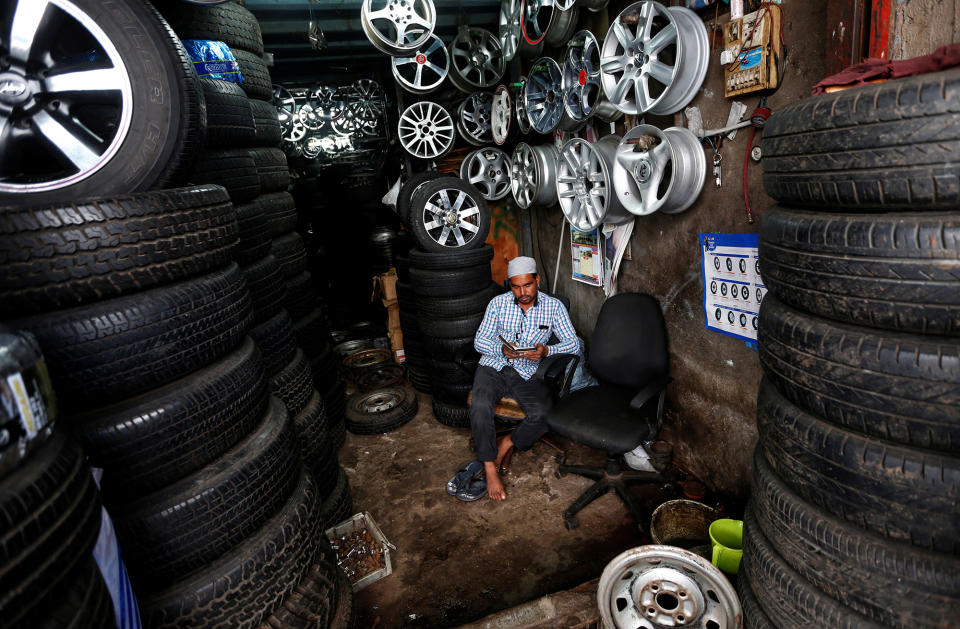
[[556, 371], [653, 388]]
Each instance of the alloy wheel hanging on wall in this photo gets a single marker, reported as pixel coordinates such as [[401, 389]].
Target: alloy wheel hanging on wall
[[535, 19], [489, 170], [386, 23], [500, 113], [424, 70], [533, 176], [426, 130], [509, 28], [520, 112], [310, 118], [286, 108], [562, 26], [348, 123], [666, 586], [659, 170], [585, 183], [543, 95], [581, 76], [654, 58], [448, 213], [368, 97], [474, 118], [476, 59]]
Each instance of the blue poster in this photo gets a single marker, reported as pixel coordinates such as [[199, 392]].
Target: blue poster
[[732, 286]]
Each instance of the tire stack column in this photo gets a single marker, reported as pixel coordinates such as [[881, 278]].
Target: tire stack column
[[855, 508]]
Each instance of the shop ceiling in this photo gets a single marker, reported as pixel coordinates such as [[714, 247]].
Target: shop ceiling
[[286, 29]]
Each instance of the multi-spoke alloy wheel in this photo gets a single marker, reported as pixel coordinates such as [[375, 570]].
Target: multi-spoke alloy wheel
[[659, 170], [543, 95], [369, 95], [666, 586], [387, 23], [424, 70], [448, 213], [509, 28], [286, 108], [501, 112], [489, 170], [426, 130], [533, 176], [584, 183], [474, 118], [654, 58], [581, 76], [535, 19], [476, 59], [519, 108]]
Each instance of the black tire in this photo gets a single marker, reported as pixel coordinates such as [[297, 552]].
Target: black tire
[[275, 340], [147, 442], [902, 493], [80, 252], [81, 602], [267, 290], [444, 349], [269, 131], [785, 595], [339, 504], [410, 186], [896, 386], [451, 392], [455, 415], [51, 516], [344, 614], [363, 417], [753, 615], [451, 260], [229, 22], [451, 328], [166, 126], [234, 169], [272, 168], [229, 117], [256, 76], [316, 599], [293, 384], [190, 523], [255, 242], [891, 145], [454, 283], [312, 333], [856, 568], [246, 585], [121, 347], [301, 295], [315, 447], [326, 370], [453, 307], [446, 372], [456, 188], [290, 253], [280, 211]]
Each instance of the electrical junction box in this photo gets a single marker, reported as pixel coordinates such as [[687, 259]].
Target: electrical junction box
[[756, 38]]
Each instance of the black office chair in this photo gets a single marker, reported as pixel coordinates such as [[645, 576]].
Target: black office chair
[[628, 356]]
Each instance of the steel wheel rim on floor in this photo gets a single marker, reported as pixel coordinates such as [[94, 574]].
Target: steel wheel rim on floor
[[509, 28], [386, 26], [286, 108], [543, 95], [631, 64], [533, 175], [367, 357], [581, 76], [666, 586], [585, 186], [426, 130], [638, 176], [444, 217], [523, 122], [476, 59], [37, 105], [489, 170], [425, 69], [474, 118], [376, 402], [536, 16], [500, 114]]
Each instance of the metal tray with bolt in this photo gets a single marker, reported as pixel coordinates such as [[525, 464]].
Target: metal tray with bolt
[[362, 550]]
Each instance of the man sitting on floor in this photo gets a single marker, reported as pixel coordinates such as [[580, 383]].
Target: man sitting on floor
[[524, 318]]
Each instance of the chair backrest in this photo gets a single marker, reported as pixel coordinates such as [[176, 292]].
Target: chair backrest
[[629, 342]]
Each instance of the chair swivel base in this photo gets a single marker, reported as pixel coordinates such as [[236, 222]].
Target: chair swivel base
[[611, 476]]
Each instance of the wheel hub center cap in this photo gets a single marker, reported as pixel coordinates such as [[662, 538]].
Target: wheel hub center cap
[[642, 171], [451, 217], [13, 88]]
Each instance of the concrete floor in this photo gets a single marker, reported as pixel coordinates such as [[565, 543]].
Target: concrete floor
[[457, 562]]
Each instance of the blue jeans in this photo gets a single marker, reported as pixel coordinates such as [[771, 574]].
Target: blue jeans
[[489, 385]]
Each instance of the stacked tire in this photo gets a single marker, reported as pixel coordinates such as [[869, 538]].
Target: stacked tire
[[856, 491]]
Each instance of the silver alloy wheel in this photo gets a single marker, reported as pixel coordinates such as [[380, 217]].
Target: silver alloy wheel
[[310, 118], [666, 586], [489, 170], [509, 28], [543, 95], [654, 58], [451, 213], [297, 132], [565, 5], [604, 110], [327, 102], [581, 75], [536, 16], [533, 176], [520, 112], [500, 113], [667, 176], [426, 130], [367, 121], [286, 108], [424, 70], [562, 27], [348, 123], [474, 118], [368, 94], [585, 183], [476, 59], [386, 22], [74, 115]]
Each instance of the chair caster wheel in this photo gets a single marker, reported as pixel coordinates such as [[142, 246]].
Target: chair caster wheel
[[571, 523]]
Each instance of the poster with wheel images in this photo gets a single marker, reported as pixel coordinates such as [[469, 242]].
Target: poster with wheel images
[[732, 286]]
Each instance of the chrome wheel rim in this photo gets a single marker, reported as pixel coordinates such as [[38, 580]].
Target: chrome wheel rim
[[489, 170], [286, 108], [386, 24], [533, 175], [509, 28], [654, 58], [297, 132], [474, 118], [377, 402], [564, 5], [348, 123], [368, 97], [523, 122], [581, 76], [667, 177], [426, 130], [535, 19], [476, 59], [367, 357], [500, 113], [310, 118], [424, 70], [666, 586], [543, 95], [584, 185], [73, 114], [451, 217]]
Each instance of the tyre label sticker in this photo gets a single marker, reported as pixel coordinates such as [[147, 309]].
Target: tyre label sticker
[[732, 286], [28, 406]]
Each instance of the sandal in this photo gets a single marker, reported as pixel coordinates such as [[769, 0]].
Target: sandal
[[475, 489], [463, 477]]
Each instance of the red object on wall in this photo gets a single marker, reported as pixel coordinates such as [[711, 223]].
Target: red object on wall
[[879, 29]]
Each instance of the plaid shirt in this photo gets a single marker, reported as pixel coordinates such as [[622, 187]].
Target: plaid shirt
[[525, 329]]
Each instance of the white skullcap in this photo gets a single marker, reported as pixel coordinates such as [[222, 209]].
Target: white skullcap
[[521, 265]]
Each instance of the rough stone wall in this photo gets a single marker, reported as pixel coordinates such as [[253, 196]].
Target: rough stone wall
[[918, 27]]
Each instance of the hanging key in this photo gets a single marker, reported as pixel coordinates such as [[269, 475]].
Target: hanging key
[[717, 174]]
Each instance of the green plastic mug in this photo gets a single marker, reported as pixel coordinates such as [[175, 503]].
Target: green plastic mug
[[726, 537]]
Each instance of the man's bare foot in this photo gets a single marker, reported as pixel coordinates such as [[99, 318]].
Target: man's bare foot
[[494, 486], [503, 446]]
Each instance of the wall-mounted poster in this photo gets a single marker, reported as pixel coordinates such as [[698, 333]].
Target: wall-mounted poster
[[732, 286], [587, 256]]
